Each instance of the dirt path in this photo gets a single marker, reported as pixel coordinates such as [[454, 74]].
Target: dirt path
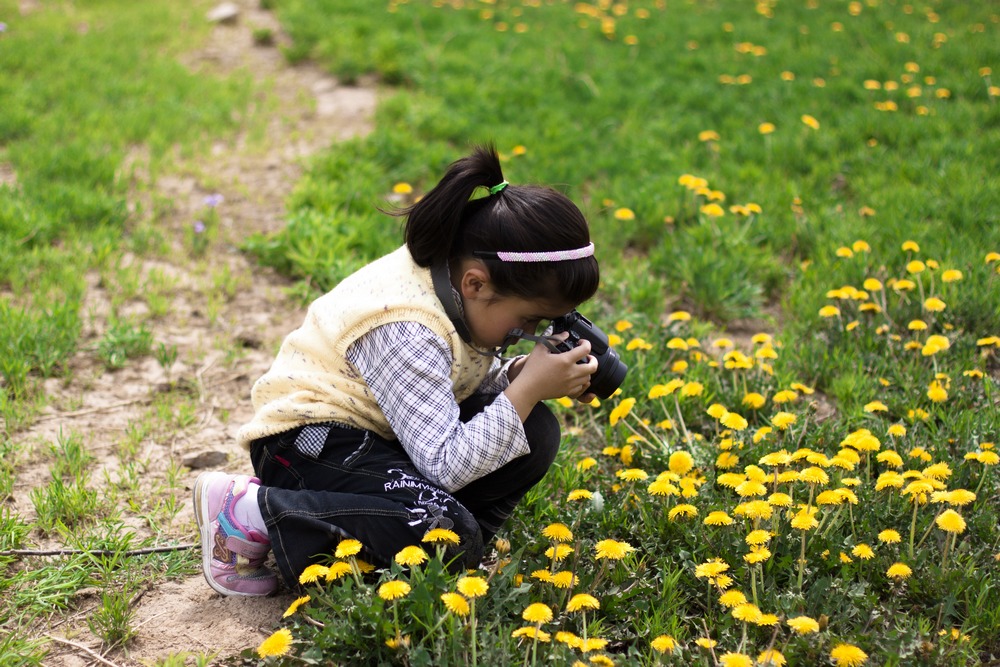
[[223, 343]]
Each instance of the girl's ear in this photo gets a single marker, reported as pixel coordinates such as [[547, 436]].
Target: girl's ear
[[475, 283]]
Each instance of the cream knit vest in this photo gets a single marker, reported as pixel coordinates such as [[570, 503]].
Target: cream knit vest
[[311, 380]]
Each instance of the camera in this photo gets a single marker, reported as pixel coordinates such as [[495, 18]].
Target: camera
[[611, 371]]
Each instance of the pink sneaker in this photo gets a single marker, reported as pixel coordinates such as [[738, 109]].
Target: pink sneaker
[[232, 556]]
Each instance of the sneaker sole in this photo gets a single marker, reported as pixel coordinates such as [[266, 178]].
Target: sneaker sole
[[202, 515]]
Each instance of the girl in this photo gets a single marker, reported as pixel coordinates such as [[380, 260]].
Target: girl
[[388, 412]]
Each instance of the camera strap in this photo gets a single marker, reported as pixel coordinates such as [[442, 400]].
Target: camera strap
[[518, 334], [443, 290]]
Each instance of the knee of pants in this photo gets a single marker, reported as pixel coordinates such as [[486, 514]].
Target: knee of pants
[[542, 430], [470, 547]]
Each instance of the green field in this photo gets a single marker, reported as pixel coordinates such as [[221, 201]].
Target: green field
[[796, 207]]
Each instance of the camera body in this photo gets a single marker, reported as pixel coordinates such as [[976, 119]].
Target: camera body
[[611, 371]]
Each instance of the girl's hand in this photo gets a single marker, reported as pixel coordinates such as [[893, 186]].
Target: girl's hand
[[545, 374]]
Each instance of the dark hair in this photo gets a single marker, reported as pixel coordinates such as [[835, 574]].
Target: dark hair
[[447, 223]]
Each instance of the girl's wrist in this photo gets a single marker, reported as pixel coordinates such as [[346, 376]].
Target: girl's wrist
[[515, 368]]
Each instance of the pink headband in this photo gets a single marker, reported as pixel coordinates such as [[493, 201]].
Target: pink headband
[[550, 256]]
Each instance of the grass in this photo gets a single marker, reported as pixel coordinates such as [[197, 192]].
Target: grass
[[854, 128], [646, 113], [92, 103]]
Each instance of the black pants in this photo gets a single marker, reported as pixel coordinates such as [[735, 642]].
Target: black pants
[[364, 487]]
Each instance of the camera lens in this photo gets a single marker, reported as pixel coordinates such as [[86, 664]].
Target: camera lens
[[609, 375]]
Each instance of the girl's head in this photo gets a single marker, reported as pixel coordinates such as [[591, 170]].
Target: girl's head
[[448, 225]]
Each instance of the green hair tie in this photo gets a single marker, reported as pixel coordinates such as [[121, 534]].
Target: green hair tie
[[498, 187]]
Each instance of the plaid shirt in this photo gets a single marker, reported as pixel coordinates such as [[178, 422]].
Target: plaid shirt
[[408, 368]]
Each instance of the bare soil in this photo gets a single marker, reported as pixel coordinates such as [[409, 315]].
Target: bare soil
[[223, 345]]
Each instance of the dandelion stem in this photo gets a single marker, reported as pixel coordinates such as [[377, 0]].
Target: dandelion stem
[[913, 523], [930, 527], [656, 438], [472, 627], [680, 418], [802, 560], [982, 478], [944, 556]]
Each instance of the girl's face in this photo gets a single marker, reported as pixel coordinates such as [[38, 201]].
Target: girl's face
[[491, 317]]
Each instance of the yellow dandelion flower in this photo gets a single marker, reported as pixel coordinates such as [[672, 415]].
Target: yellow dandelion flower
[[563, 579], [803, 625], [780, 500], [829, 311], [936, 392], [988, 458], [717, 411], [682, 510], [889, 536], [312, 573], [804, 520], [472, 587], [718, 518], [951, 276], [411, 555], [437, 535], [294, 607], [537, 612], [713, 210], [863, 551], [338, 570], [732, 599], [899, 571], [680, 462], [393, 590], [711, 569], [692, 389], [278, 644], [679, 316], [579, 494], [586, 463], [950, 521], [754, 509], [621, 410], [532, 632], [663, 487], [348, 548], [766, 128], [771, 658], [706, 643], [735, 660], [810, 121], [456, 603], [848, 655], [664, 644], [558, 532], [757, 555], [569, 639], [612, 549], [582, 601], [402, 188], [559, 552], [934, 304], [734, 421]]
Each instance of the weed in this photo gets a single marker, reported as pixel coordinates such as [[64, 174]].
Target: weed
[[123, 340]]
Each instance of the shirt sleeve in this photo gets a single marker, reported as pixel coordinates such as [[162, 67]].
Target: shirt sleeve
[[407, 367]]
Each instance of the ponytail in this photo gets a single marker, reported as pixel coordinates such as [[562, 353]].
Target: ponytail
[[448, 224]]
